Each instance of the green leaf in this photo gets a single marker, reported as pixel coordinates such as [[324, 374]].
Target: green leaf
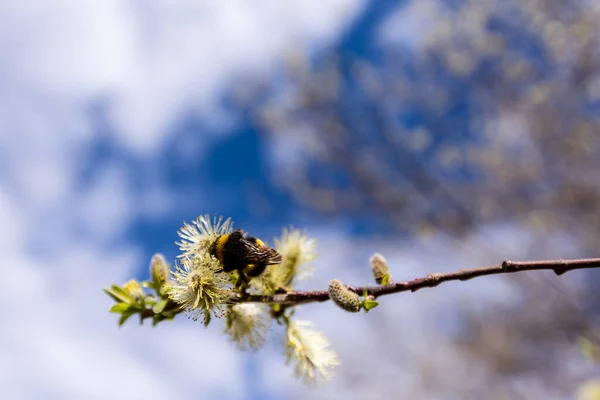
[[156, 319], [157, 284], [111, 294], [369, 305], [119, 308], [207, 318], [168, 317], [124, 318], [147, 284], [118, 294], [386, 279], [150, 300], [163, 291], [159, 307]]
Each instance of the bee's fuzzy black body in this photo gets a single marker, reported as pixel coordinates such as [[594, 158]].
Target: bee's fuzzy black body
[[248, 255]]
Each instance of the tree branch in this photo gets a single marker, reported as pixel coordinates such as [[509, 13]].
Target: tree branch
[[431, 280]]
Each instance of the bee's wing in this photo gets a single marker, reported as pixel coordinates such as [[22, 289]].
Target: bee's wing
[[261, 254]]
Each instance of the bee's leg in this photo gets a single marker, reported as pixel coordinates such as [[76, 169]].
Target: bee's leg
[[254, 270], [242, 281], [283, 290]]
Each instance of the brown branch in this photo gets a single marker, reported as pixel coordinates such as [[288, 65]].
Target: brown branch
[[432, 280]]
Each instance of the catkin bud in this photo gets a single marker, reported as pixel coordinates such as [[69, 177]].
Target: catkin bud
[[133, 289], [380, 269], [159, 269], [343, 297]]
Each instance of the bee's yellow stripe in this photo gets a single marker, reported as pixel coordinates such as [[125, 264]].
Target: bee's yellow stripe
[[249, 268], [221, 246], [260, 243]]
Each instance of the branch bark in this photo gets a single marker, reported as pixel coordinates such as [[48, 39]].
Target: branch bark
[[431, 280]]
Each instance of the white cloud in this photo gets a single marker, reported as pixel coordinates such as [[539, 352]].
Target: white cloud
[[153, 61]]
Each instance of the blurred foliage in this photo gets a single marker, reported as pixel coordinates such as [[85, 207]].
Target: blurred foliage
[[489, 115], [492, 117], [147, 299]]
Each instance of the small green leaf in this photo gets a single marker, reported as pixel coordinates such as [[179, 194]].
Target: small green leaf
[[156, 319], [124, 318], [119, 308], [386, 279], [150, 301], [111, 294], [119, 294], [207, 318], [163, 291], [159, 307], [147, 284], [157, 285], [366, 292], [369, 305]]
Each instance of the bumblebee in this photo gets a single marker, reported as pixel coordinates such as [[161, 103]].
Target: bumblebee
[[248, 255]]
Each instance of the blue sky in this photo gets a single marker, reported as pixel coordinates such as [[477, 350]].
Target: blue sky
[[112, 132]]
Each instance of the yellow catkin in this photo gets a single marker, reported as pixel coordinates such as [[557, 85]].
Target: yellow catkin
[[380, 268], [343, 297]]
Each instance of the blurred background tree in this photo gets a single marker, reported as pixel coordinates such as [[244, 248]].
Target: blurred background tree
[[490, 119]]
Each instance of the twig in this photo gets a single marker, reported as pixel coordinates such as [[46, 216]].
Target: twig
[[432, 280]]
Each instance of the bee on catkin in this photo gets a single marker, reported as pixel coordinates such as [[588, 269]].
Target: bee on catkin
[[248, 255]]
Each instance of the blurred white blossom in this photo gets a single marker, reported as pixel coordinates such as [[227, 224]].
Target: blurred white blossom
[[590, 390], [296, 250], [310, 352], [247, 325]]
